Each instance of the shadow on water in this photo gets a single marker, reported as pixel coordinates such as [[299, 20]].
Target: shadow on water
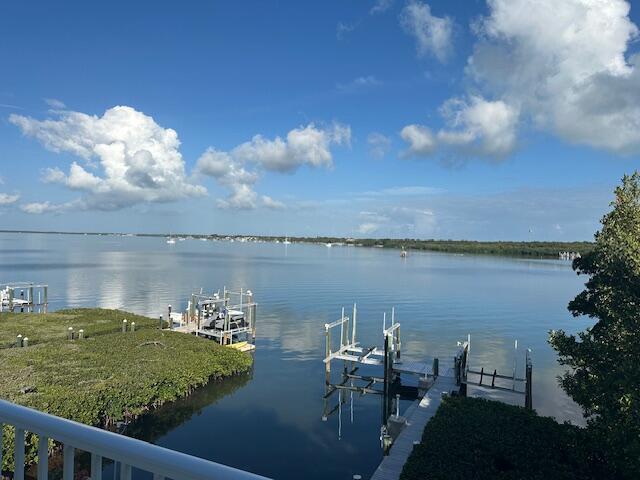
[[159, 422], [153, 426]]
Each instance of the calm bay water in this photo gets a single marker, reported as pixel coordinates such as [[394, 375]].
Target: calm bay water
[[269, 422]]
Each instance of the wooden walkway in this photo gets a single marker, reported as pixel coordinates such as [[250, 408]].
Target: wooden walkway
[[417, 415]]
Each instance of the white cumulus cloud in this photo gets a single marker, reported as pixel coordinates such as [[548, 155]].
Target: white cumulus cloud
[[307, 145], [564, 68], [38, 208], [420, 139], [433, 35], [566, 65], [8, 199], [127, 158], [240, 168]]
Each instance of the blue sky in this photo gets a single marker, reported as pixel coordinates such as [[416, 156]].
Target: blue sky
[[481, 119]]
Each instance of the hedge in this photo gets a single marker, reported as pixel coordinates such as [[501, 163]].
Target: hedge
[[471, 438]]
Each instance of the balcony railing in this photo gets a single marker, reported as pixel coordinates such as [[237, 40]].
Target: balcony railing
[[129, 453]]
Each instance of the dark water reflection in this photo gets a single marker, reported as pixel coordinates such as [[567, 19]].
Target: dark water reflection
[[271, 422]]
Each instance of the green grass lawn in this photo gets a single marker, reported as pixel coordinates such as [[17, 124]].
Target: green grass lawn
[[107, 377], [51, 326], [471, 438]]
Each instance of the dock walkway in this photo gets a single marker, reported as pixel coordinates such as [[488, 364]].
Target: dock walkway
[[417, 415]]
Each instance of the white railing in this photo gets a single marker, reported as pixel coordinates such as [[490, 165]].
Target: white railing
[[129, 453]]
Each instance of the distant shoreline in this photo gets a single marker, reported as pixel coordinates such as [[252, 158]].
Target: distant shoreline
[[530, 249]]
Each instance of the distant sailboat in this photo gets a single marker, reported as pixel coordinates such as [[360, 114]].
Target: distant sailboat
[[171, 240]]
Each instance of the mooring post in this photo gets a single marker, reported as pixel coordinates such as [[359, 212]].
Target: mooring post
[[328, 353], [353, 331], [25, 342], [436, 368], [44, 293], [456, 369], [80, 334], [515, 363], [11, 294], [342, 328], [19, 341], [124, 325], [528, 397], [346, 330], [160, 322], [133, 326], [385, 390], [463, 369], [252, 310]]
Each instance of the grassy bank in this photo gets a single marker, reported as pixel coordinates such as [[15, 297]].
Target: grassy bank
[[53, 326], [109, 377], [482, 439]]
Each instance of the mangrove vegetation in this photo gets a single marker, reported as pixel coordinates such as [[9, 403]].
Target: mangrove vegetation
[[109, 376]]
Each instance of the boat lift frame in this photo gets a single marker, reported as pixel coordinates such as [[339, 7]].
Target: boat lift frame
[[32, 297], [191, 320]]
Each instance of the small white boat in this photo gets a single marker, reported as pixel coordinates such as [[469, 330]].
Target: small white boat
[[171, 241], [329, 245], [286, 241]]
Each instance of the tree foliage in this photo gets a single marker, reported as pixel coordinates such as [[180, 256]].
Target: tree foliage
[[603, 376]]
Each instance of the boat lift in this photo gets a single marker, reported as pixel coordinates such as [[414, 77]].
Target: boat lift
[[486, 379], [229, 318], [24, 297]]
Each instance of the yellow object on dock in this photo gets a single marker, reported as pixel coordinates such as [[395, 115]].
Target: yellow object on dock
[[242, 346]]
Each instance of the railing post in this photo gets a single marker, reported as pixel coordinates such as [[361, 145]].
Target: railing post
[[18, 456], [528, 397], [43, 457], [125, 471], [69, 459], [96, 467]]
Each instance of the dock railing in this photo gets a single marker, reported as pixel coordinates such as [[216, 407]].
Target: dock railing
[[129, 453]]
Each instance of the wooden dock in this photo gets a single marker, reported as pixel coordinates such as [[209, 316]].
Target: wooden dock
[[417, 415]]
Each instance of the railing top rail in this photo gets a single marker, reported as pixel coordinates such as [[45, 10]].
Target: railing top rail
[[130, 451]]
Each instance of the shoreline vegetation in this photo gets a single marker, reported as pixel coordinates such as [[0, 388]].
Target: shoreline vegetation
[[526, 249], [502, 442], [108, 377]]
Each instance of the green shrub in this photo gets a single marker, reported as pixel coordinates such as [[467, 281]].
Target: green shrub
[[471, 438]]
